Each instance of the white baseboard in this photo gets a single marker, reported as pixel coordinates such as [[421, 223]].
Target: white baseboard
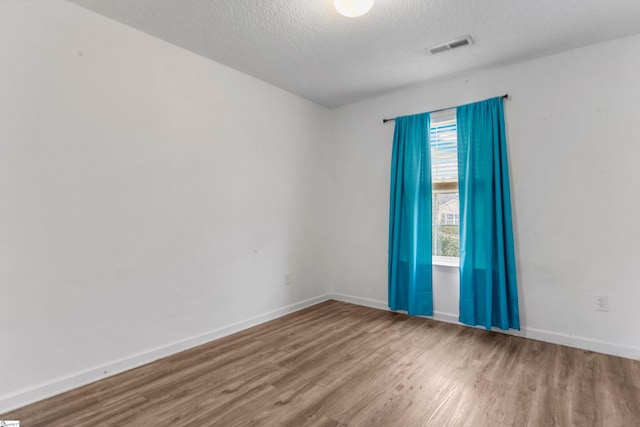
[[11, 401], [20, 398], [583, 343]]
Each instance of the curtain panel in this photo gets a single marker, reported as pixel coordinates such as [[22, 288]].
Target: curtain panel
[[410, 216], [488, 284]]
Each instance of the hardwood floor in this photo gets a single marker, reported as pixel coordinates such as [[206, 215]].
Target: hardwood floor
[[337, 364]]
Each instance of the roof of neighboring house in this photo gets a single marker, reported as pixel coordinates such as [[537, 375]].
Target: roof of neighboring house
[[450, 203]]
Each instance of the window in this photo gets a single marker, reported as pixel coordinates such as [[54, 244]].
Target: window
[[444, 174], [450, 218]]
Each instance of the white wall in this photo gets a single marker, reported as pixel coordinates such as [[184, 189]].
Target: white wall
[[574, 145], [148, 196]]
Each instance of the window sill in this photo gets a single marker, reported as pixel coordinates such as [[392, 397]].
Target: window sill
[[446, 261]]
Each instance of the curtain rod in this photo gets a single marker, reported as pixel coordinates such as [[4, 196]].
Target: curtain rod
[[505, 96]]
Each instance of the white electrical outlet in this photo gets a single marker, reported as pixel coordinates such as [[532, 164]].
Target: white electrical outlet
[[601, 303], [287, 279]]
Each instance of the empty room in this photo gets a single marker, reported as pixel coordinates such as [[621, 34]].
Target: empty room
[[319, 213]]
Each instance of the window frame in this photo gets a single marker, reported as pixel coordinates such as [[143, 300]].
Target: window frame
[[443, 187]]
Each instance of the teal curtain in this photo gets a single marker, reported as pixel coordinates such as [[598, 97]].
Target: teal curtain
[[488, 286], [410, 275]]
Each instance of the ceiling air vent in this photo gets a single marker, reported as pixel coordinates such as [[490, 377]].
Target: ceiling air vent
[[462, 41]]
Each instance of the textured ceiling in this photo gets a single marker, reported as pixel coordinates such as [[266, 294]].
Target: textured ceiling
[[306, 47]]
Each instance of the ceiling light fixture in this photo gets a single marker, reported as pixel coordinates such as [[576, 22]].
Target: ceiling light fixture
[[353, 8]]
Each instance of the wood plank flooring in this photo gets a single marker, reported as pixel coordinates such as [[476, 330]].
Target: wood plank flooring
[[337, 364]]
